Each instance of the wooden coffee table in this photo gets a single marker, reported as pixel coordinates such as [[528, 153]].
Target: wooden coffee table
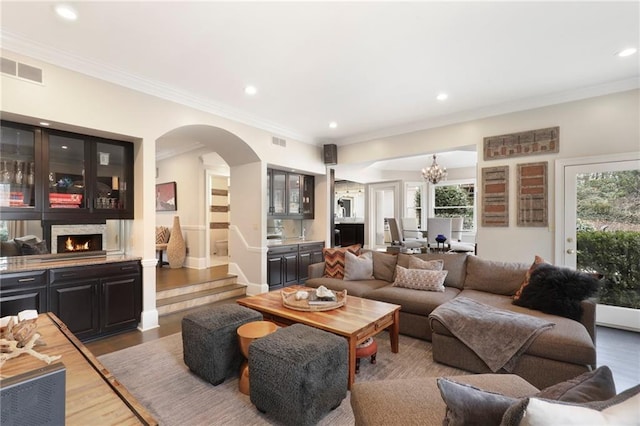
[[357, 320]]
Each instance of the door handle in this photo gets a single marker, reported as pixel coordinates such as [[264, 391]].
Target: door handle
[[571, 251]]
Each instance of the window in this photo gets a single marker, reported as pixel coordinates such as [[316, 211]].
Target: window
[[413, 201], [455, 199]]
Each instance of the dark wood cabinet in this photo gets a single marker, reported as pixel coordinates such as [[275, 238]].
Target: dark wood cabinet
[[351, 233], [308, 254], [97, 300], [290, 195], [60, 176], [23, 290], [288, 265]]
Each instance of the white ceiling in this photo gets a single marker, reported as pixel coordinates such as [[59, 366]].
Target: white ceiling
[[373, 67]]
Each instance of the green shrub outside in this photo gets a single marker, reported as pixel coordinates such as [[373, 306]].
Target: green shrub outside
[[616, 255]]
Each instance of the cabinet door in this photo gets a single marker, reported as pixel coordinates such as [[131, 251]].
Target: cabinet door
[[294, 194], [290, 268], [275, 277], [308, 189], [66, 169], [121, 303], [304, 260], [111, 195], [19, 153], [76, 304], [279, 192]]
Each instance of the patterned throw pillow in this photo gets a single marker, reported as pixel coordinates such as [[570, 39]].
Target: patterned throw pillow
[[527, 277], [433, 265], [162, 234], [420, 279], [334, 260]]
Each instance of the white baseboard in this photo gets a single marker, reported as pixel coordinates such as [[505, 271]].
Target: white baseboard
[[618, 317]]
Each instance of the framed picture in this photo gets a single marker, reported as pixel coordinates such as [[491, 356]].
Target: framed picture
[[166, 197]]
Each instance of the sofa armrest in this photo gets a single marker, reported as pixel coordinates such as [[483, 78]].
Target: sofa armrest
[[589, 317], [316, 270]]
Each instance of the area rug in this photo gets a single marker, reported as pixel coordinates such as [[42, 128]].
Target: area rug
[[156, 375]]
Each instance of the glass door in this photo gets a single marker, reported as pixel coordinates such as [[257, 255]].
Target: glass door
[[294, 198], [66, 173], [601, 232], [111, 179], [17, 167]]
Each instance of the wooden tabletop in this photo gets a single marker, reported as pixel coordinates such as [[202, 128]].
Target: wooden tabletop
[[348, 320], [93, 395]]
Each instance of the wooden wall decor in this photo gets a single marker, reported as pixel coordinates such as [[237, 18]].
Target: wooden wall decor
[[532, 142], [532, 194], [495, 196]]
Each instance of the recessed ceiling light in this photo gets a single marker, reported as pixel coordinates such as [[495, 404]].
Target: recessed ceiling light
[[64, 147], [442, 96], [627, 52], [333, 125], [66, 12], [44, 123], [250, 90]]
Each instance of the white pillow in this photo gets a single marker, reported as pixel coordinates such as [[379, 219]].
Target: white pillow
[[541, 412], [434, 265], [358, 267], [420, 279]]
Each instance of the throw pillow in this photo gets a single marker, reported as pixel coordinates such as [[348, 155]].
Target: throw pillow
[[32, 247], [536, 261], [619, 410], [334, 260], [468, 405], [162, 234], [596, 385], [558, 291], [384, 266], [420, 279], [358, 267], [433, 265]]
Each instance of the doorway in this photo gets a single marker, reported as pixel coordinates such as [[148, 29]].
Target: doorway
[[384, 201], [599, 230]]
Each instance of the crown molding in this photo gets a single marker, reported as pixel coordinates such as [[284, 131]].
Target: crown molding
[[102, 71]]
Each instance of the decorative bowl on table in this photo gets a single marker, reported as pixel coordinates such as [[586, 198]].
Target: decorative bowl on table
[[297, 300]]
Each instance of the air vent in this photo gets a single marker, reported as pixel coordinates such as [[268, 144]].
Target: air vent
[[279, 141], [20, 70]]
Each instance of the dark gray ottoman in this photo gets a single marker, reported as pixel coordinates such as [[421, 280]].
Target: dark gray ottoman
[[298, 374], [210, 343]]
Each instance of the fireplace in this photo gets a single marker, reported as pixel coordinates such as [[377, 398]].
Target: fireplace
[[80, 238], [79, 243]]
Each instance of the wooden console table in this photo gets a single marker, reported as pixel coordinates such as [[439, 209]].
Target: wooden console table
[[93, 395]]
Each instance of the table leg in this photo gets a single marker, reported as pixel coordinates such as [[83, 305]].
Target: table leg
[[352, 361], [394, 331]]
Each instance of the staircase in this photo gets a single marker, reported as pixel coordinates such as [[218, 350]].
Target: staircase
[[181, 289]]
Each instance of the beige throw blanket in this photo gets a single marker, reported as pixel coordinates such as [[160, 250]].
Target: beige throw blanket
[[497, 336]]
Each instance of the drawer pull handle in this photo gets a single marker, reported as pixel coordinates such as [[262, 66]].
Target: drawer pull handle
[[68, 274], [127, 268], [26, 280]]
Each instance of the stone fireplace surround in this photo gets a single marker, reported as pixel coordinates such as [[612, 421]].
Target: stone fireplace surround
[[79, 229]]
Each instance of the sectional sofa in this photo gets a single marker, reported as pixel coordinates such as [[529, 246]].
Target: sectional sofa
[[562, 352]]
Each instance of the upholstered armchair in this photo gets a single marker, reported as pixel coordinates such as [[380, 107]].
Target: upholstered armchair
[[397, 236]]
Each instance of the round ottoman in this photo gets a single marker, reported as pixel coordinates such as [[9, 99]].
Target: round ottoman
[[365, 349]]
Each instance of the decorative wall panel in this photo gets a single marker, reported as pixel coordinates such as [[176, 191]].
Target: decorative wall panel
[[495, 196], [532, 142], [532, 194]]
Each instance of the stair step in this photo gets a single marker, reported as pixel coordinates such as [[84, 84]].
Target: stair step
[[219, 225], [199, 298], [189, 288]]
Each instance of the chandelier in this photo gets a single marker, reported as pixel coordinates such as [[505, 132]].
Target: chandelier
[[435, 173]]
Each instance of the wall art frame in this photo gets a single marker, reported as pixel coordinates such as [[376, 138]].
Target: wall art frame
[[531, 142], [166, 197], [533, 182], [495, 196]]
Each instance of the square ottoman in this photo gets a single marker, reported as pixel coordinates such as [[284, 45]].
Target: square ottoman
[[210, 342], [298, 374]]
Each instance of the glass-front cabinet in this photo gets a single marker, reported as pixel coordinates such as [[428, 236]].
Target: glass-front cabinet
[[18, 169], [289, 195], [49, 174], [294, 189]]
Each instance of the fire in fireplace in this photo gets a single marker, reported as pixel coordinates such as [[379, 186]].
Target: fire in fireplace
[[79, 243]]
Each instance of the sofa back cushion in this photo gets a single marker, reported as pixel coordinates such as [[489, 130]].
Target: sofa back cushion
[[454, 263], [494, 277], [9, 248], [384, 266]]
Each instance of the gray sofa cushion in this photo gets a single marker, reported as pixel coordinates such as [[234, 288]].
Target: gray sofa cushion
[[384, 266], [494, 277], [455, 263], [568, 341], [354, 288], [418, 302]]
